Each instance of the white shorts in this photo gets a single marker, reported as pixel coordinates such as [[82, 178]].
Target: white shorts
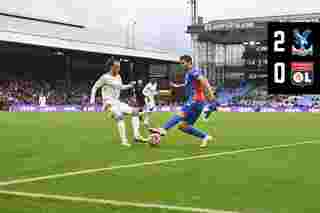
[[118, 108], [150, 103]]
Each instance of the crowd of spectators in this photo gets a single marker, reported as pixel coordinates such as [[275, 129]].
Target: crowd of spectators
[[259, 97], [28, 92], [14, 92]]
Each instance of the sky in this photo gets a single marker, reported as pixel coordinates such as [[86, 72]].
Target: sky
[[160, 24]]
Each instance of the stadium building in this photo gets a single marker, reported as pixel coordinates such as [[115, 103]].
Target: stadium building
[[68, 54], [232, 50]]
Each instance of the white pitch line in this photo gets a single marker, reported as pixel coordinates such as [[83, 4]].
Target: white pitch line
[[110, 202], [90, 171]]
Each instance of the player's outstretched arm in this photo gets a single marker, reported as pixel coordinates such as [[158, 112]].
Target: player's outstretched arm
[[108, 80], [176, 85], [94, 89], [126, 86]]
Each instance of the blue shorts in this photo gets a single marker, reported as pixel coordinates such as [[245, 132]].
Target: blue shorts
[[192, 111]]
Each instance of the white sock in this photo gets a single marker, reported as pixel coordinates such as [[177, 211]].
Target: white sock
[[146, 119], [135, 126], [122, 131]]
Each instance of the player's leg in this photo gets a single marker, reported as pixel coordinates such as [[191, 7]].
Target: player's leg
[[189, 129], [146, 120], [172, 122], [114, 109], [118, 116], [208, 138], [187, 117], [146, 114], [135, 121], [207, 112], [187, 125], [150, 105], [106, 108]]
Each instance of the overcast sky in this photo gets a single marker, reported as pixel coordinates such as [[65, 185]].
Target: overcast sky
[[158, 23]]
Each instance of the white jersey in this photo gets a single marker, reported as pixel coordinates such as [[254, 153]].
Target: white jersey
[[111, 87], [42, 100], [150, 90]]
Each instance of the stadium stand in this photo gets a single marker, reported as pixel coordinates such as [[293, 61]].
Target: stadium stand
[[19, 91]]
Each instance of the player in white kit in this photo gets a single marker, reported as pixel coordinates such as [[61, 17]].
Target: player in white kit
[[42, 100], [111, 85], [149, 92]]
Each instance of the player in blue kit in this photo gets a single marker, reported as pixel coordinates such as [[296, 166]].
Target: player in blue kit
[[198, 91]]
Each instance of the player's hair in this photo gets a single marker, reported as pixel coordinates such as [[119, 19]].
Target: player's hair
[[109, 63], [186, 58]]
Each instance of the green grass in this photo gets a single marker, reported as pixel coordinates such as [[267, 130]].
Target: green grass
[[272, 181]]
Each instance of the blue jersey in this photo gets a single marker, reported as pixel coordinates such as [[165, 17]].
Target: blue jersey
[[194, 91]]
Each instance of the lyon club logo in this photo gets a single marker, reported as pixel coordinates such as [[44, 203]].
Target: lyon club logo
[[302, 73]]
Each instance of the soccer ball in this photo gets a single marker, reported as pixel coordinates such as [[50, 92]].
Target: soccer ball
[[155, 139]]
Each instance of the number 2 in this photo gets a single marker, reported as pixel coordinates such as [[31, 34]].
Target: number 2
[[279, 41]]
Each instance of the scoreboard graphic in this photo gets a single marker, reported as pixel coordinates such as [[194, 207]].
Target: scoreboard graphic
[[293, 58]]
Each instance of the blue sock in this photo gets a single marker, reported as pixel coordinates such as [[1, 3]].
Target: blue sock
[[172, 122], [193, 131]]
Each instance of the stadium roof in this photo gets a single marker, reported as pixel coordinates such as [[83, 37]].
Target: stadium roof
[[239, 30], [301, 16], [257, 22], [68, 36], [234, 37]]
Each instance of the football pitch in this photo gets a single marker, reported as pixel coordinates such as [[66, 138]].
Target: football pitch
[[72, 162]]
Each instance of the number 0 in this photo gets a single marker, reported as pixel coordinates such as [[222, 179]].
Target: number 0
[[279, 67], [279, 41]]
